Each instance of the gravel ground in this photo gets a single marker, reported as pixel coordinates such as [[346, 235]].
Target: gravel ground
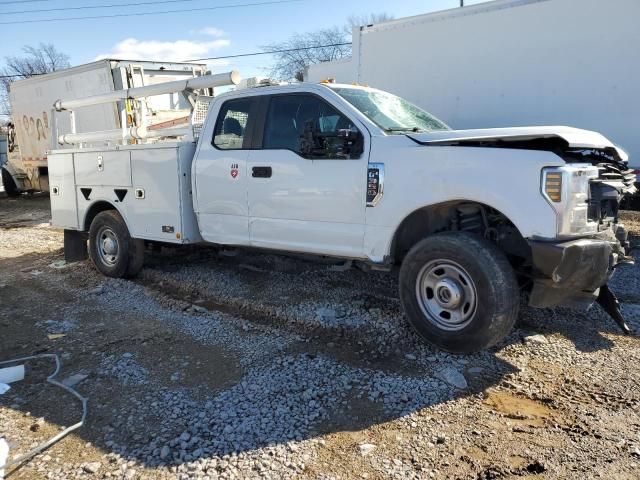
[[217, 364]]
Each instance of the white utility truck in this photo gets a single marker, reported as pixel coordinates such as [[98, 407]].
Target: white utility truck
[[472, 217], [32, 99]]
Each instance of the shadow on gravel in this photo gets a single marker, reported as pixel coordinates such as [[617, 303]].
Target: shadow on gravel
[[181, 404], [287, 384], [586, 328], [25, 210]]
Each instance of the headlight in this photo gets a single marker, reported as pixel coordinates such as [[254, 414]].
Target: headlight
[[567, 191]]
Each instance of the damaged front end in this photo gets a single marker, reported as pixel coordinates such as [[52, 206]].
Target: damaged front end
[[575, 272], [574, 268]]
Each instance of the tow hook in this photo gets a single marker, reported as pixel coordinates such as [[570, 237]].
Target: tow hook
[[610, 304]]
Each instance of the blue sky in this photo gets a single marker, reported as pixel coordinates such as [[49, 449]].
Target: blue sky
[[186, 35]]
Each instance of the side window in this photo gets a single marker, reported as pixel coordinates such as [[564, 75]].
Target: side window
[[231, 125], [310, 127]]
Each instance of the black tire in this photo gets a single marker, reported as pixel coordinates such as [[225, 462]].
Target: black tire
[[125, 259], [10, 187], [487, 306], [632, 202]]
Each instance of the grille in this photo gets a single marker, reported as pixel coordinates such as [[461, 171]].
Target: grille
[[612, 173], [608, 190]]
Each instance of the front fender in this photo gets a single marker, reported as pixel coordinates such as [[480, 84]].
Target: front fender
[[507, 180]]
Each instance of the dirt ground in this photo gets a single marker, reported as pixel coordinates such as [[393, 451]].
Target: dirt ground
[[219, 364]]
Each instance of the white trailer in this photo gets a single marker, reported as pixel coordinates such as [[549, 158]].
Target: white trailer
[[509, 62], [32, 100]]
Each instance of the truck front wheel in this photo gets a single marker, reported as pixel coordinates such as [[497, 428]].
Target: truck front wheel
[[111, 248], [459, 292]]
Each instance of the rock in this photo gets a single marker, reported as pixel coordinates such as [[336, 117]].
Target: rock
[[366, 448], [453, 377], [185, 436], [537, 339], [410, 356], [326, 314], [91, 467], [198, 309], [165, 452]]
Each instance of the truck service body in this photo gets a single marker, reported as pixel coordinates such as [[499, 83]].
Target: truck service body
[[472, 217], [32, 100]]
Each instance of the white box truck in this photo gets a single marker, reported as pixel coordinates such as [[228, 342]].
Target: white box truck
[[32, 100], [509, 63], [471, 217]]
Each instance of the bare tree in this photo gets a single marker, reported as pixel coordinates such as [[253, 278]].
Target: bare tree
[[44, 58], [294, 55]]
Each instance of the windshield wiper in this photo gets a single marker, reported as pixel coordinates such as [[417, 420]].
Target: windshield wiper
[[404, 129]]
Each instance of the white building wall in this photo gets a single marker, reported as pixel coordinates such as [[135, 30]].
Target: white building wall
[[341, 71]]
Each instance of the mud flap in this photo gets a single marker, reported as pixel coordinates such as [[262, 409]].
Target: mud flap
[[75, 246], [608, 301]]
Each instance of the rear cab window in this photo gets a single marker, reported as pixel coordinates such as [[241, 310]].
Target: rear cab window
[[233, 124]]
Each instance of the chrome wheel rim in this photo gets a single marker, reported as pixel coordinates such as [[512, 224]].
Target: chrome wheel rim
[[108, 246], [446, 294]]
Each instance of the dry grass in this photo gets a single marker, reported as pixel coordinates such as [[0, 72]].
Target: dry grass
[[631, 220]]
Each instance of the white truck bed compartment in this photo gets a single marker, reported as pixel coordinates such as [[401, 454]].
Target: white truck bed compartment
[[149, 184]]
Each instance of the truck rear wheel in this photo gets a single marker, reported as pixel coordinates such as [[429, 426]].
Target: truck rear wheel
[[9, 184], [459, 292], [111, 248]]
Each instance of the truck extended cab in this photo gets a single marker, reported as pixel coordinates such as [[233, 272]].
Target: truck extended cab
[[472, 218]]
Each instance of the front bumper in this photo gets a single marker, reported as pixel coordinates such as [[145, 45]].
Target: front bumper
[[570, 273]]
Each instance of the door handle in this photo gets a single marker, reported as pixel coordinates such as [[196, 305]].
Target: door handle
[[261, 172]]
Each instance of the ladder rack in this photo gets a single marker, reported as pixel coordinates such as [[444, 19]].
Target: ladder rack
[[139, 132]]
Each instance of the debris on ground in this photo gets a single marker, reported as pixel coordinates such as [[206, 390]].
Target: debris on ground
[[16, 373], [11, 374], [56, 336], [4, 456]]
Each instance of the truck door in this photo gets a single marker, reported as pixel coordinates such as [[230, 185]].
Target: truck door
[[220, 173], [306, 185]]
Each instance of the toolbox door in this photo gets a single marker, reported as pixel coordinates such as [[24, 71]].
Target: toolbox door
[[64, 210], [110, 168]]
